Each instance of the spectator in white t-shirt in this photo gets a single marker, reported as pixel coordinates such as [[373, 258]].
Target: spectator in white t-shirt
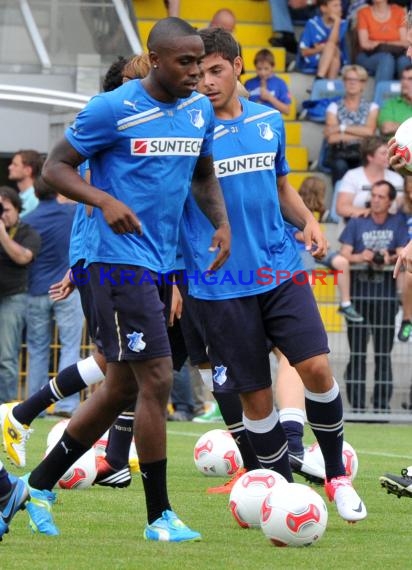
[[354, 189]]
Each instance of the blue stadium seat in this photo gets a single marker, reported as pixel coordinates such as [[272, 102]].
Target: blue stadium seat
[[386, 89], [322, 91], [329, 88]]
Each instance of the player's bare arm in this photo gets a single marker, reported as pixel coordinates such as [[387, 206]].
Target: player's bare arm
[[60, 172], [295, 211], [208, 195]]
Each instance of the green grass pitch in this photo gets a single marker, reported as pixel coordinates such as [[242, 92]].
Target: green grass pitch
[[102, 528]]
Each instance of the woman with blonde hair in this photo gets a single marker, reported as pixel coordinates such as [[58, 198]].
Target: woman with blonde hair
[[348, 121]]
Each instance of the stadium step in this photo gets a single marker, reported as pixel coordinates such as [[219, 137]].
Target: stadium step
[[245, 10], [297, 157]]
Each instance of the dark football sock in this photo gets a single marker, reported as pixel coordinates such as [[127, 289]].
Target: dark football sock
[[325, 416], [154, 484], [5, 485], [66, 383], [269, 441], [66, 451], [120, 438], [232, 413]]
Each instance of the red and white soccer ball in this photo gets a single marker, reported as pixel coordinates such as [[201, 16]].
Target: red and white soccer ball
[[349, 457], [248, 494], [403, 137], [216, 454], [293, 515], [82, 473]]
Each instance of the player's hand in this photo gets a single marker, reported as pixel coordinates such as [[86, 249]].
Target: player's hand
[[62, 289], [120, 217], [176, 306], [396, 161], [404, 260], [315, 240], [220, 241]]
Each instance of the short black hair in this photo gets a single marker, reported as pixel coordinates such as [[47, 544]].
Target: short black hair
[[114, 75], [10, 194], [220, 42], [166, 30]]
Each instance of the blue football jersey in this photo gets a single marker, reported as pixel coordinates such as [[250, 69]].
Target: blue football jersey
[[142, 152], [78, 237], [249, 154]]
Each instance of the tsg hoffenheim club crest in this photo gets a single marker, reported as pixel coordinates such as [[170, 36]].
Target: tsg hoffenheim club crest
[[136, 342], [265, 131], [219, 375], [196, 118]]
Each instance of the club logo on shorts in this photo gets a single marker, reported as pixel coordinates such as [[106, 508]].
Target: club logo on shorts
[[219, 375], [136, 342], [196, 118], [265, 131]]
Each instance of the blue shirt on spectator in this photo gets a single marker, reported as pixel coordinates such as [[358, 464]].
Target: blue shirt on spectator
[[53, 221], [317, 32], [275, 85]]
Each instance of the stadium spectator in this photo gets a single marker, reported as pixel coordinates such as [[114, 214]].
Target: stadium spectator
[[53, 221], [19, 245], [283, 14], [373, 241], [322, 47], [381, 30], [242, 311], [312, 191], [354, 190], [141, 365], [266, 87], [24, 168], [225, 19], [349, 121], [398, 108]]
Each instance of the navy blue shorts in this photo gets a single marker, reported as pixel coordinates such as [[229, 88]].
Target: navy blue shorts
[[190, 324], [130, 312], [239, 330]]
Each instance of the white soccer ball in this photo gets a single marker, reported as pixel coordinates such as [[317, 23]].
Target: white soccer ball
[[56, 432], [216, 454], [248, 494], [349, 457], [82, 473], [293, 515], [403, 137]]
